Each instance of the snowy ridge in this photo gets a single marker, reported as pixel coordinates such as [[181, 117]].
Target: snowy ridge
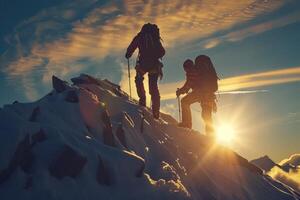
[[89, 141]]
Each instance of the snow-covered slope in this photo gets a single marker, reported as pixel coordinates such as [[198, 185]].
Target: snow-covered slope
[[89, 141]]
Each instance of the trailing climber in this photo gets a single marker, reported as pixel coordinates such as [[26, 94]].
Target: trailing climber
[[202, 79]]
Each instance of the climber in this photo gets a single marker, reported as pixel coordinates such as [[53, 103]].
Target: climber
[[202, 78], [148, 41]]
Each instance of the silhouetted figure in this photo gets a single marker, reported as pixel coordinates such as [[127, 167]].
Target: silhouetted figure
[[148, 42], [202, 78]]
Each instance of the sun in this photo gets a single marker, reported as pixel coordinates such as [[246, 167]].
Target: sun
[[225, 134]]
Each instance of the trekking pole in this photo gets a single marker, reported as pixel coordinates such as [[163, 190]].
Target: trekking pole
[[179, 108], [129, 77]]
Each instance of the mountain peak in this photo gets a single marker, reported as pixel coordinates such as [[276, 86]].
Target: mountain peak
[[264, 162], [91, 141]]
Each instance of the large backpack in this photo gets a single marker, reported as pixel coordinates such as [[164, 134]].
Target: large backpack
[[208, 75], [151, 49]]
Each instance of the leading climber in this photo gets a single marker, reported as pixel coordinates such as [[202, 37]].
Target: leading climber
[[148, 41]]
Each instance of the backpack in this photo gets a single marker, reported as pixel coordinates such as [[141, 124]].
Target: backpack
[[208, 75], [150, 43]]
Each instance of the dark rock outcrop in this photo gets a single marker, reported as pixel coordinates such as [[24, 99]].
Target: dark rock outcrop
[[59, 85], [115, 88], [139, 165], [288, 167], [33, 117], [39, 136], [23, 158], [103, 175], [140, 171], [72, 97], [264, 163], [68, 163], [108, 137], [85, 79], [121, 136]]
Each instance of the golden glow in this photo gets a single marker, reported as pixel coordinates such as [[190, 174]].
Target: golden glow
[[241, 82], [225, 134]]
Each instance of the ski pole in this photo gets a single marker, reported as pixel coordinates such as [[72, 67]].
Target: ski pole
[[129, 77]]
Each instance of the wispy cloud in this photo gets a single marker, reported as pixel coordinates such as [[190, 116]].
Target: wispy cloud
[[252, 30], [237, 83], [61, 36], [170, 108], [293, 159], [290, 178], [242, 92]]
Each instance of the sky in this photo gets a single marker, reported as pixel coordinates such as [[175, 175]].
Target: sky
[[254, 45]]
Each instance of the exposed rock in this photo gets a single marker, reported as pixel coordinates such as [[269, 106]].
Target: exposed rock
[[58, 84], [22, 157], [105, 118], [139, 164], [78, 80], [128, 118], [68, 163], [103, 176], [287, 167], [108, 137], [140, 171], [142, 122], [39, 136], [115, 87], [85, 79], [121, 136], [15, 102], [264, 163], [34, 114], [72, 97]]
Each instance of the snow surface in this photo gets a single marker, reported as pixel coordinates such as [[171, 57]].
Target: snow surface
[[139, 157]]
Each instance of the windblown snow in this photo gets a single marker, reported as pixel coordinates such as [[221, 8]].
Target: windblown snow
[[90, 141]]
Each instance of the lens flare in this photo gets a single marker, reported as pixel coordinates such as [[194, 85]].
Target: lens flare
[[225, 134]]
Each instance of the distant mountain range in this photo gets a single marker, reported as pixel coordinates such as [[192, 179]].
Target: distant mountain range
[[267, 164]]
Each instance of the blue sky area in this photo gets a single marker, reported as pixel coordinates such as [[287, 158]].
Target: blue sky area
[[39, 38]]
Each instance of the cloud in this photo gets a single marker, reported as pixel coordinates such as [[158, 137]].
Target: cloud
[[252, 30], [291, 179], [241, 82], [170, 108], [293, 159], [57, 38], [242, 92]]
